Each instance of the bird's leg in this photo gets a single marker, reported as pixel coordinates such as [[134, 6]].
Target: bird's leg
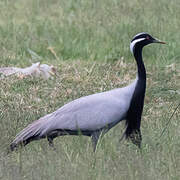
[[94, 138], [51, 144]]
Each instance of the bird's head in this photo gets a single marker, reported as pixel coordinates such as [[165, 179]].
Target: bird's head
[[142, 39]]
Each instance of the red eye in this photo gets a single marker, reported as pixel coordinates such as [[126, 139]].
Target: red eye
[[147, 37]]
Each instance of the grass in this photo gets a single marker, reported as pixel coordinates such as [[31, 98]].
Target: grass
[[91, 42]]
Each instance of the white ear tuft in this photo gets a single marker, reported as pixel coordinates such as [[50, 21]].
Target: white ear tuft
[[133, 43]]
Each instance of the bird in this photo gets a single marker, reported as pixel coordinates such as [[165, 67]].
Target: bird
[[94, 115]]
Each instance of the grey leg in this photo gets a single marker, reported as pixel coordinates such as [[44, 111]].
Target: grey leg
[[51, 144], [94, 137]]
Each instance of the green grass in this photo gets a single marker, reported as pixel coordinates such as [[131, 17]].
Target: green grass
[[91, 40]]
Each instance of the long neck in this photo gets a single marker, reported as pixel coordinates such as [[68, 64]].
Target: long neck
[[140, 64], [133, 119]]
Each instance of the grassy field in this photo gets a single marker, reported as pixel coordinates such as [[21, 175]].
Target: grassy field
[[91, 44]]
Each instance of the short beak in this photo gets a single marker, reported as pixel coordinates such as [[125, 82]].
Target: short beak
[[158, 41]]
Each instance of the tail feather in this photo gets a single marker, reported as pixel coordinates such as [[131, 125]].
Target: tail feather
[[31, 132]]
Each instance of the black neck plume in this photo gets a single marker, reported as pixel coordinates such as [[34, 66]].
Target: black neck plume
[[133, 119]]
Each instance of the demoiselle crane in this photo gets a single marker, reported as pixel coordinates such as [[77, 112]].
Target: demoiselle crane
[[97, 113]]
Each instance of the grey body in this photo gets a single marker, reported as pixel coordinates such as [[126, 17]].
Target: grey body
[[92, 113]]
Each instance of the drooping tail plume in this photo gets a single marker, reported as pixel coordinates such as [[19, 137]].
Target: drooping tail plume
[[28, 134]]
